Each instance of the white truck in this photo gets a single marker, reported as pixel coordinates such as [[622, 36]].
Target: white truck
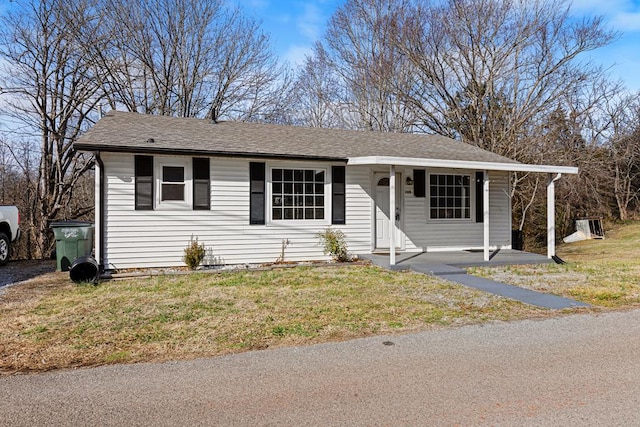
[[9, 231]]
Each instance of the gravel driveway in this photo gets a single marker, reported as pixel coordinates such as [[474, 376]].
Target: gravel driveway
[[19, 271]]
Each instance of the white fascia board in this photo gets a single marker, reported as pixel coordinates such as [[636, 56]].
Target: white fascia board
[[459, 164]]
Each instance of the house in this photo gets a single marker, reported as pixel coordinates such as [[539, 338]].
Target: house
[[250, 191]]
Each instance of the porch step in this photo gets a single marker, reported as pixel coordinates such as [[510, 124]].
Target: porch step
[[436, 269]]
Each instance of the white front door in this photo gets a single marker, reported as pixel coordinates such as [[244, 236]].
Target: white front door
[[382, 210]]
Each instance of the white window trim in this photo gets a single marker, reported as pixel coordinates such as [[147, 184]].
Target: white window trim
[[472, 206], [186, 163], [327, 194]]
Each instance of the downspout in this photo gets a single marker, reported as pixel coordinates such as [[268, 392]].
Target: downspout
[[101, 211]]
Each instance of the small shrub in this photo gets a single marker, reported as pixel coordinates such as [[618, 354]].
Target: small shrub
[[332, 242], [194, 253]]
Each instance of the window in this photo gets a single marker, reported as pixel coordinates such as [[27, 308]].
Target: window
[[201, 184], [297, 194], [174, 183], [450, 196], [143, 171], [172, 186]]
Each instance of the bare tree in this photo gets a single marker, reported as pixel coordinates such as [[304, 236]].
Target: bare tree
[[508, 76], [49, 85], [489, 71], [7, 173], [22, 191], [189, 58], [247, 82], [624, 155], [316, 94], [360, 49], [159, 54]]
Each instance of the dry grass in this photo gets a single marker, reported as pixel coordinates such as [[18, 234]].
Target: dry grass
[[50, 323], [600, 272]]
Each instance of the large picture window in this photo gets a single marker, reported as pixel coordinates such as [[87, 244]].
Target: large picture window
[[297, 194], [450, 196]]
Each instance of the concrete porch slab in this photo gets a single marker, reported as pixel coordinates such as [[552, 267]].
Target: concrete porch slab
[[462, 259]]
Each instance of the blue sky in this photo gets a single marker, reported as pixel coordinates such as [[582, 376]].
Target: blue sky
[[624, 54], [294, 26]]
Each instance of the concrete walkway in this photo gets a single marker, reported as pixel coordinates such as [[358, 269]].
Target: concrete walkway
[[435, 265]]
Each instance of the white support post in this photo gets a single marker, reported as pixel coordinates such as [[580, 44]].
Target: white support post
[[551, 215], [392, 215], [485, 214]]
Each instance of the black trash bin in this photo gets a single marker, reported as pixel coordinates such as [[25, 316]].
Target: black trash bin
[[84, 270], [73, 239], [517, 240]]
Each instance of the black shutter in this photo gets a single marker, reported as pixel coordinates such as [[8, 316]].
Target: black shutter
[[144, 182], [338, 194], [201, 184], [419, 183], [479, 197], [257, 189]]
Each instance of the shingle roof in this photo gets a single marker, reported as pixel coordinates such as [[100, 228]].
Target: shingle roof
[[133, 132]]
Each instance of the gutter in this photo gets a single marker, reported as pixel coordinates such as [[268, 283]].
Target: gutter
[[460, 164], [204, 153]]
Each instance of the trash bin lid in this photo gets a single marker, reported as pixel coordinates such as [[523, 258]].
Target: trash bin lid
[[70, 223]]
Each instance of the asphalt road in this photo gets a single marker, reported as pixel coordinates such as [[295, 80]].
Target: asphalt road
[[576, 370]]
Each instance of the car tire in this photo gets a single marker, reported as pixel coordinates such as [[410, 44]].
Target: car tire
[[5, 249]]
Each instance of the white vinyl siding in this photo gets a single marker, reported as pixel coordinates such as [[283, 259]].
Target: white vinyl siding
[[158, 238], [436, 235]]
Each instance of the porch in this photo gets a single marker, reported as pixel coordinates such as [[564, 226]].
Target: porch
[[452, 262], [451, 201]]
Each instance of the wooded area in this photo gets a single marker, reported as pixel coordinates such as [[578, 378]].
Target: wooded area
[[509, 76]]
